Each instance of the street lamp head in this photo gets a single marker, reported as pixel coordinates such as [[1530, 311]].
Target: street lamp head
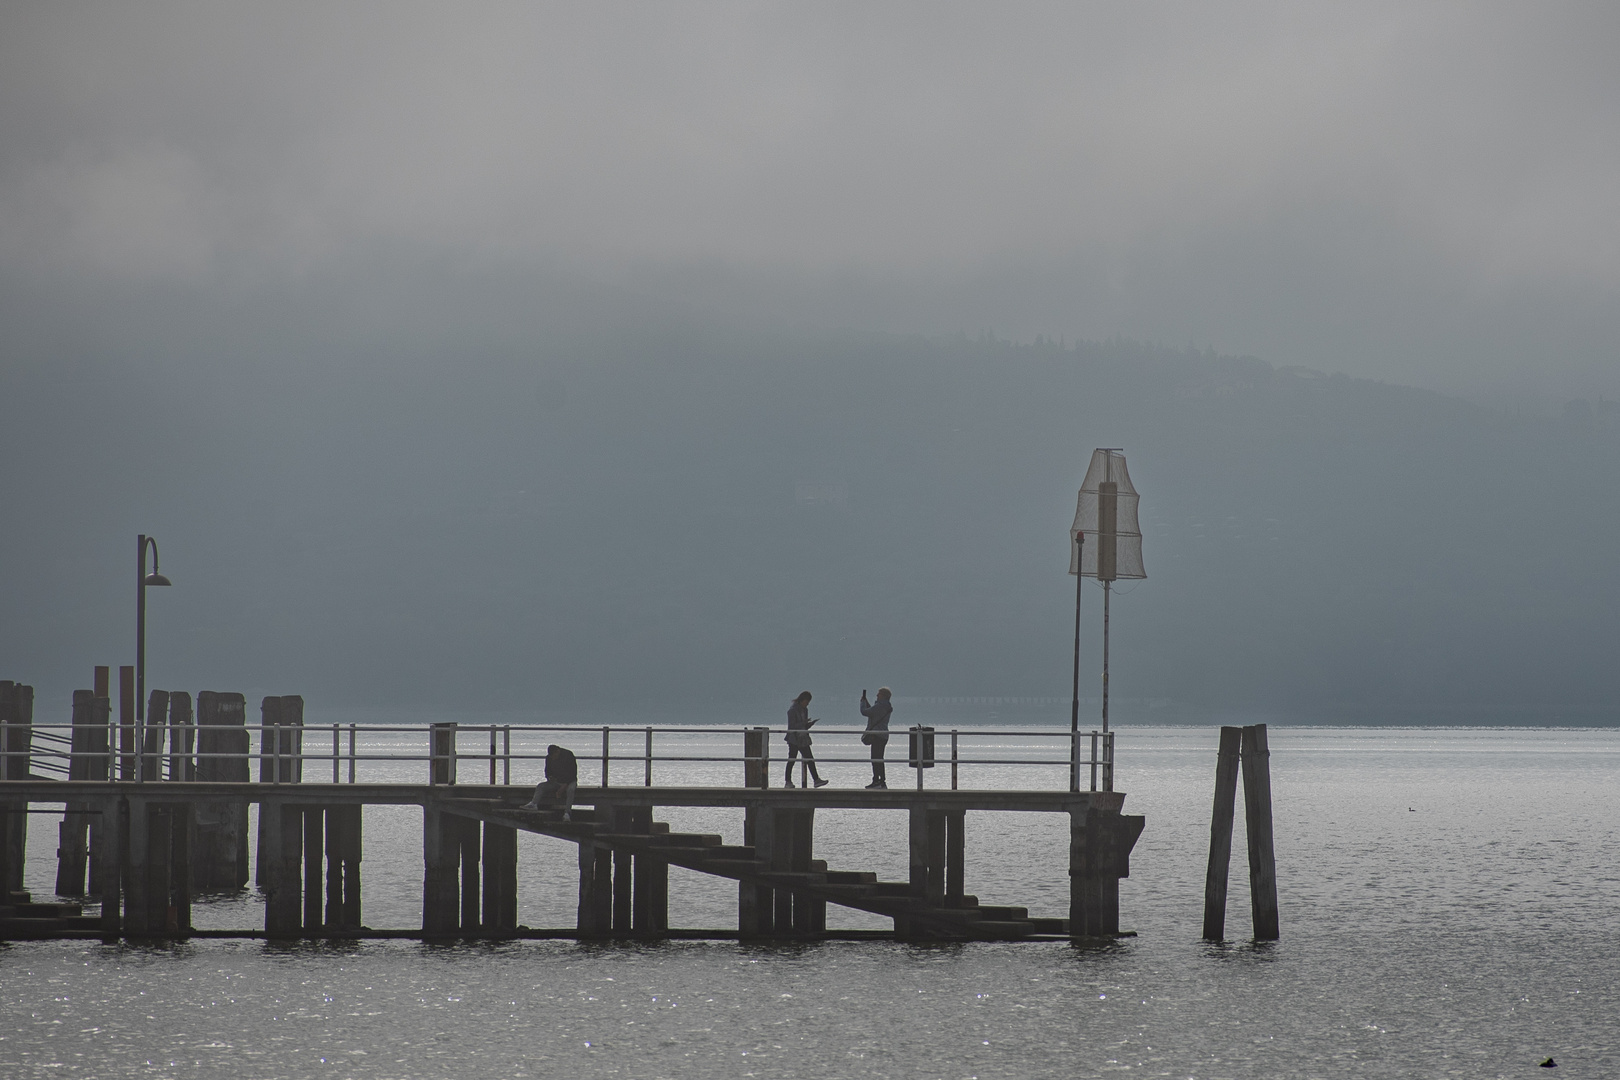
[[155, 578]]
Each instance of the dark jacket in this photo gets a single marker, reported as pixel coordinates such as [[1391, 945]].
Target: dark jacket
[[561, 768], [798, 733], [877, 716]]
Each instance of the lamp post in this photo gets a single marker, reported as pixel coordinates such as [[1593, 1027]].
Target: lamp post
[[142, 580]]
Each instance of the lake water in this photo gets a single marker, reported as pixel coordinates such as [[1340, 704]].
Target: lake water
[[1449, 908]]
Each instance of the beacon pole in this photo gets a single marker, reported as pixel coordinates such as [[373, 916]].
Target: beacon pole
[[1074, 706]]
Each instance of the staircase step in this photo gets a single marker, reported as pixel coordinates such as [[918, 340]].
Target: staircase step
[[996, 911], [688, 839], [660, 828], [891, 888], [1049, 926], [850, 877]]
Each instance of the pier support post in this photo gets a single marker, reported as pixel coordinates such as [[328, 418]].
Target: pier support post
[[72, 844], [1220, 834], [470, 840], [927, 849], [500, 877], [1256, 758], [281, 744], [343, 868], [650, 894], [1100, 845], [955, 857], [281, 839], [595, 890], [756, 904], [314, 848], [159, 898], [16, 738], [220, 858], [441, 885], [109, 828]]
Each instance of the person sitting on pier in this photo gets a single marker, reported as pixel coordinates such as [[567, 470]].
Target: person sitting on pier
[[876, 734], [562, 780], [798, 738]]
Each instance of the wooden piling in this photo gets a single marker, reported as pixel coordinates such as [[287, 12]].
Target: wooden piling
[[955, 856], [126, 722], [756, 904], [595, 890], [281, 835], [1220, 834], [470, 838], [500, 877], [343, 868], [182, 737], [16, 737], [72, 845], [107, 851], [281, 745], [441, 856], [314, 850], [220, 856], [1256, 760]]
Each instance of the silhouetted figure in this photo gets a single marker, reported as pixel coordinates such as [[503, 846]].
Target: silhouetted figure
[[798, 739], [562, 780], [876, 734]]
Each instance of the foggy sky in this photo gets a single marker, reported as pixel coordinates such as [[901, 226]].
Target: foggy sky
[[573, 356], [1417, 192]]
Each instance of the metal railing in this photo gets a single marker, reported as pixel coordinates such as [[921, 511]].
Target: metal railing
[[284, 751]]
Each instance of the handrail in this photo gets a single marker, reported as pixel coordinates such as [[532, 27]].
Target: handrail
[[284, 750]]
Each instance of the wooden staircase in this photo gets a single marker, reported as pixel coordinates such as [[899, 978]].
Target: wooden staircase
[[962, 918]]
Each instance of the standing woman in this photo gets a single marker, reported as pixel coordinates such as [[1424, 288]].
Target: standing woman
[[798, 738], [876, 734]]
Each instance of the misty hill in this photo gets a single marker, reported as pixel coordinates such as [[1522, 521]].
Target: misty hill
[[713, 520]]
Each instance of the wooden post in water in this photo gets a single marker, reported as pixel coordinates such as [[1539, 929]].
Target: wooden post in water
[[1100, 843], [756, 904], [623, 820], [182, 738], [314, 844], [281, 837], [1220, 834], [470, 838], [500, 877], [1256, 756], [595, 890], [126, 722], [955, 856], [220, 856], [343, 868], [151, 736], [281, 746], [72, 847], [16, 739], [441, 858], [107, 850]]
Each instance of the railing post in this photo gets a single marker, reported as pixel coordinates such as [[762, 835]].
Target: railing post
[[953, 759], [648, 780], [337, 746], [492, 755], [351, 753], [1108, 761], [605, 755], [1074, 761], [506, 754], [1094, 761]]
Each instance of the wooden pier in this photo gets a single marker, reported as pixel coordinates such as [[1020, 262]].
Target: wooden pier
[[311, 845], [155, 813]]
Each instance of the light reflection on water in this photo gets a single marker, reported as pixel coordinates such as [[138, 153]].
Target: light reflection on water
[[1447, 899]]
